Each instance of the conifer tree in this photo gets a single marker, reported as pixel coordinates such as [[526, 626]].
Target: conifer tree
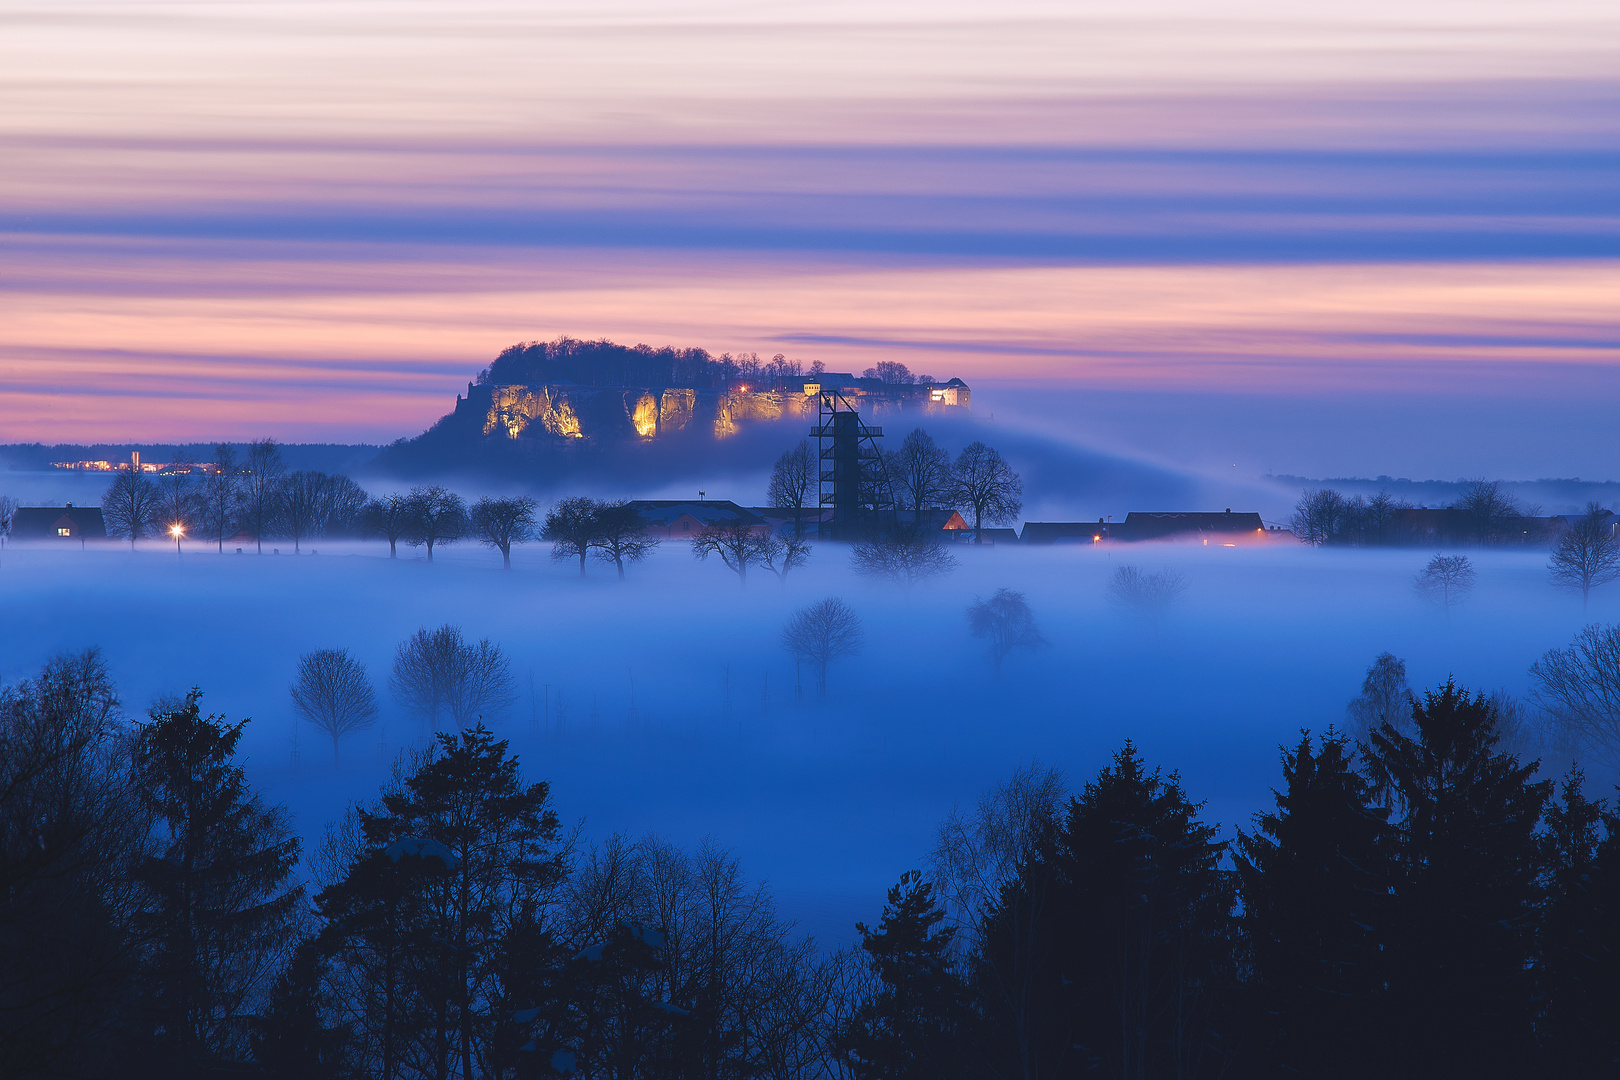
[[455, 859], [919, 1023], [1578, 973], [1315, 882], [1465, 889], [221, 904], [1133, 969]]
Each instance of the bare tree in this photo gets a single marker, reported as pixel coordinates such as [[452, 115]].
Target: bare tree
[[1445, 581], [1146, 595], [1319, 516], [425, 665], [8, 515], [261, 488], [821, 633], [130, 506], [390, 517], [1006, 623], [920, 471], [1586, 556], [906, 555], [1491, 510], [500, 523], [483, 688], [342, 508], [985, 485], [437, 516], [303, 496], [1385, 698], [438, 670], [781, 555], [333, 692], [621, 535], [977, 855], [738, 544], [571, 526], [1579, 687], [219, 495], [794, 480]]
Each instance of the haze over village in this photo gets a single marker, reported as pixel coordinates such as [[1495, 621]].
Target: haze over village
[[838, 542]]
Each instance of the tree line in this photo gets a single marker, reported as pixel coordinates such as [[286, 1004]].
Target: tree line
[[1416, 903], [917, 477], [1487, 514]]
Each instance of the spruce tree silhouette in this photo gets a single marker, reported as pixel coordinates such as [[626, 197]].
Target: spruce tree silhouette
[[1578, 973], [1465, 889], [918, 1023], [223, 903], [1315, 880], [1135, 967]]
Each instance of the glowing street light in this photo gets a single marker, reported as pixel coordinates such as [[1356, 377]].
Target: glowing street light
[[177, 531]]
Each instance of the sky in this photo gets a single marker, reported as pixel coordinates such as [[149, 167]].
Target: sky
[[1381, 237]]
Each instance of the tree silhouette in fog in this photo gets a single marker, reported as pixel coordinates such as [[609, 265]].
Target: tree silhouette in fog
[[1465, 883], [1588, 555], [439, 671], [129, 506], [333, 692], [1315, 880], [920, 1020], [619, 535], [904, 554], [1579, 688], [821, 633], [794, 479], [436, 515], [982, 483], [1445, 581], [1006, 623], [571, 526], [500, 523]]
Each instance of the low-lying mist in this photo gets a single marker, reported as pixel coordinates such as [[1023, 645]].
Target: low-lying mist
[[667, 704]]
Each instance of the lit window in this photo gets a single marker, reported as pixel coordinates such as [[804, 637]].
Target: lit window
[[64, 532]]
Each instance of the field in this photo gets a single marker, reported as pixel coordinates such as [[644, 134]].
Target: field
[[666, 703]]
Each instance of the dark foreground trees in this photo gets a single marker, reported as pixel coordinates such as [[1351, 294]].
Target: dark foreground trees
[[1417, 906], [432, 889], [221, 901]]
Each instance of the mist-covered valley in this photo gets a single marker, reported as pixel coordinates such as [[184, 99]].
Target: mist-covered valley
[[667, 704]]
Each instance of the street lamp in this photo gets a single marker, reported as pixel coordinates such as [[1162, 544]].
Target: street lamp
[[177, 531]]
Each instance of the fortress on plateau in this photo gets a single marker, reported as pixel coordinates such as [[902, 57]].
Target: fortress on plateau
[[569, 391], [547, 409]]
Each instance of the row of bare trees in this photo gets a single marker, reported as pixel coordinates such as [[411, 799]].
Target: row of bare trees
[[254, 494], [918, 477], [437, 674]]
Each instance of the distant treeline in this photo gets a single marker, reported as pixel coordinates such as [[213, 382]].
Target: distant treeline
[[326, 457], [1415, 905], [1483, 513], [603, 363]]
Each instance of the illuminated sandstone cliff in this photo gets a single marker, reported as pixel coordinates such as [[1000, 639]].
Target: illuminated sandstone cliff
[[566, 413]]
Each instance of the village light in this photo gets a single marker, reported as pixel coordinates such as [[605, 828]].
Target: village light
[[177, 531]]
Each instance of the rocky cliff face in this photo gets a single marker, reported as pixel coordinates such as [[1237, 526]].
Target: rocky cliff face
[[566, 413]]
